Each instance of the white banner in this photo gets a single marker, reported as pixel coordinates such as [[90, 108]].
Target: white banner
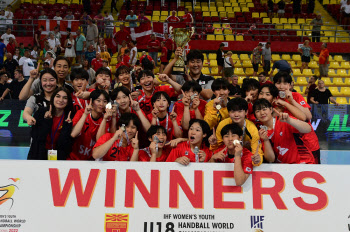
[[168, 197]]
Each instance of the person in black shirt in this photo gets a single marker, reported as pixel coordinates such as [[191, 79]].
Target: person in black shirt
[[17, 84], [321, 95], [220, 58], [4, 86], [234, 88], [10, 65], [281, 5]]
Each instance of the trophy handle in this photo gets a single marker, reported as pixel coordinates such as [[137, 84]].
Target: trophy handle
[[170, 30], [192, 32]]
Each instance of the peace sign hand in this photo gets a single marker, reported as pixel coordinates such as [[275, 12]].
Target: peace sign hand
[[79, 94], [48, 113], [173, 115], [212, 139], [256, 157], [134, 104], [88, 108], [35, 72], [135, 141], [283, 117]]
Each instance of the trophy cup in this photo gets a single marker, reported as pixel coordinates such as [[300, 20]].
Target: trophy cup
[[181, 37]]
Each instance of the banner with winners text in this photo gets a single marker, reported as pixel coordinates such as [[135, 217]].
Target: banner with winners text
[[68, 196]]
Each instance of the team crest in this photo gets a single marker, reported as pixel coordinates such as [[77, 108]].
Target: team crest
[[115, 222]]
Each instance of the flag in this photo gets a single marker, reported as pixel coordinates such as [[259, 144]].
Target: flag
[[141, 33], [72, 24], [48, 25], [162, 28]]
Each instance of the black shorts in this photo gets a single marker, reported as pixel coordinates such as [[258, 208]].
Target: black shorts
[[256, 67], [164, 63], [346, 15], [305, 59], [169, 55]]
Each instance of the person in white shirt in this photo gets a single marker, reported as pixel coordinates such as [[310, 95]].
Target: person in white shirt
[[54, 43], [6, 37], [109, 24], [58, 17], [9, 15], [34, 55], [26, 64], [133, 52], [345, 7], [2, 22]]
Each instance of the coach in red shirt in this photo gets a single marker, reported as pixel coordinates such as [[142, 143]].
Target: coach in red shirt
[[121, 35], [169, 44], [153, 46], [173, 18], [187, 18], [96, 63]]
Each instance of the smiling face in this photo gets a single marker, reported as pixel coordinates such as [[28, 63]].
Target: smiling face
[[79, 84], [161, 135], [61, 99], [131, 129], [147, 83], [265, 93], [253, 93], [264, 114], [229, 138], [238, 116], [99, 104], [190, 92], [124, 78], [161, 104], [223, 93], [282, 86], [123, 100], [48, 82], [62, 69], [195, 66], [195, 134]]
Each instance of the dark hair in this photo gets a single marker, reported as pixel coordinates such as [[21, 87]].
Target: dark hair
[[3, 73], [69, 106], [79, 73], [205, 128], [103, 70], [50, 71], [219, 83], [158, 95], [154, 129], [115, 92], [236, 104], [19, 71], [145, 73], [188, 85], [195, 54], [282, 77], [262, 73], [127, 117], [126, 51], [268, 43], [272, 88], [46, 63], [260, 104], [248, 85], [133, 41], [234, 128], [58, 58], [98, 92], [121, 70], [222, 45], [42, 27]]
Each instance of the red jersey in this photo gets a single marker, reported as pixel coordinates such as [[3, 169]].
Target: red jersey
[[166, 123], [265, 83], [246, 159], [83, 144], [187, 18], [122, 35], [250, 114], [288, 145], [148, 57], [300, 100], [169, 44], [164, 55], [79, 103], [119, 64], [126, 60], [115, 153], [97, 63], [184, 149], [179, 110], [145, 101], [11, 48], [152, 43], [55, 132], [145, 155], [173, 19]]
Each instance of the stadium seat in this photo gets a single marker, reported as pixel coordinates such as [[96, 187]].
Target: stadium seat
[[313, 64], [296, 72], [156, 13], [220, 37], [345, 91], [239, 71], [307, 72], [327, 81], [238, 64], [301, 80], [296, 57], [255, 15], [212, 56], [338, 58], [298, 89], [342, 73], [275, 21], [315, 58], [293, 64], [283, 20], [275, 57], [205, 70], [239, 38], [342, 100], [249, 71], [337, 81], [266, 20], [286, 57], [244, 57], [292, 21], [240, 79], [214, 70], [155, 18], [213, 63], [247, 64], [345, 64], [163, 18], [301, 21], [334, 64], [230, 38], [210, 37], [331, 73], [334, 91], [263, 14]]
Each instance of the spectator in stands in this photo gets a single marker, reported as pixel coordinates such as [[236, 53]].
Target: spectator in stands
[[2, 22], [311, 86], [80, 44], [220, 56], [34, 55], [9, 15], [21, 49], [316, 29], [323, 61], [234, 88], [96, 63], [109, 20], [84, 20], [90, 54], [42, 15], [4, 86], [122, 35], [114, 6], [11, 46], [37, 35], [100, 23], [2, 50], [58, 17], [163, 57], [90, 71], [263, 80], [170, 45], [346, 11], [26, 64], [146, 62], [69, 15], [87, 6], [101, 43], [305, 52], [296, 8], [10, 65], [270, 6], [105, 55], [133, 52], [50, 58], [69, 45], [282, 66], [173, 18], [281, 6], [123, 48], [229, 66], [15, 87], [131, 18], [126, 57], [153, 46], [142, 18], [266, 57], [311, 7], [6, 36], [91, 34], [322, 95], [187, 18], [57, 33], [120, 61], [54, 43], [16, 56], [256, 58]]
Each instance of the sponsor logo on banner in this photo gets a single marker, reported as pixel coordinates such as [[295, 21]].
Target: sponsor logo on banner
[[256, 223], [9, 191], [116, 222]]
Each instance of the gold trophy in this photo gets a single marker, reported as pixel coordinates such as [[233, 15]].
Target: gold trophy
[[181, 37]]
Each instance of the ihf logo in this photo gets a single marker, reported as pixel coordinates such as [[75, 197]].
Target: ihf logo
[[256, 223]]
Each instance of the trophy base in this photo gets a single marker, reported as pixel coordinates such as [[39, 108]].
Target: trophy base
[[178, 71]]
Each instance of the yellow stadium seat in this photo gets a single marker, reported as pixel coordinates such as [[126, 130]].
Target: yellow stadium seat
[[337, 81], [334, 64], [342, 100], [227, 4], [239, 38], [255, 15], [212, 8], [307, 72], [291, 20], [338, 58], [221, 9], [210, 37], [214, 14], [235, 4], [163, 18], [275, 57], [222, 14], [249, 71], [287, 26], [342, 73], [180, 13], [244, 57], [283, 20], [266, 20], [298, 89], [216, 25], [296, 27], [114, 61], [315, 58], [296, 72], [219, 4], [205, 56], [334, 91], [345, 91], [240, 79], [205, 8], [155, 18], [345, 64], [165, 13], [206, 14], [275, 20], [293, 64], [347, 82], [298, 64], [230, 38], [330, 58], [239, 71], [220, 37], [205, 70], [250, 5], [236, 9], [156, 12], [212, 56], [247, 64], [301, 81], [286, 57], [238, 64], [230, 14], [245, 9], [296, 57], [313, 64], [235, 57], [213, 63], [301, 21], [229, 10], [214, 70], [263, 14], [327, 81], [228, 31], [331, 73]]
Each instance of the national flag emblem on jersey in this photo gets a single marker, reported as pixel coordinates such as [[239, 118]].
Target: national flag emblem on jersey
[[116, 222]]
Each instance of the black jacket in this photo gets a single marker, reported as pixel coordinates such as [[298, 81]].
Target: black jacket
[[39, 133]]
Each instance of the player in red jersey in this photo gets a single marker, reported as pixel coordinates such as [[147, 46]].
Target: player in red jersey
[[190, 106], [79, 78], [123, 76], [187, 18], [86, 125], [173, 18], [282, 136], [197, 148], [250, 88], [123, 145], [233, 152], [160, 116], [146, 80], [103, 79]]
